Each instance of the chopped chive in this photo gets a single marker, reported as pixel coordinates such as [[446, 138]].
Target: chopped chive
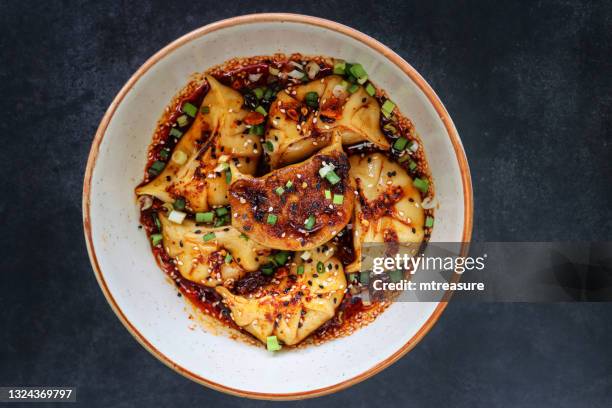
[[257, 130], [332, 177], [359, 72], [221, 211], [396, 275], [272, 218], [182, 120], [258, 92], [156, 168], [205, 109], [267, 269], [387, 108], [328, 195], [429, 222], [312, 99], [364, 278], [157, 222], [228, 258], [228, 176], [353, 88], [421, 184], [156, 239], [310, 222], [179, 204], [207, 237], [164, 154], [279, 191], [289, 184], [281, 258], [339, 68], [176, 133], [338, 199], [272, 343], [269, 146], [412, 165], [400, 143], [190, 109], [204, 216], [260, 109], [370, 89], [300, 270]]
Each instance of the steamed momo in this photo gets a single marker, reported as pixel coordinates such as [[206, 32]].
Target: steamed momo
[[214, 137], [296, 130], [388, 208], [205, 262], [298, 305]]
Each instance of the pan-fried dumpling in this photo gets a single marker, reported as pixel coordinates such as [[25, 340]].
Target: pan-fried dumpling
[[296, 207], [296, 131], [389, 206], [200, 254], [305, 299], [214, 137]]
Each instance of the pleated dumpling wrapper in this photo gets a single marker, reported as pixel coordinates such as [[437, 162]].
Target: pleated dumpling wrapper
[[296, 129], [388, 208], [304, 299], [197, 168], [296, 207], [201, 254]]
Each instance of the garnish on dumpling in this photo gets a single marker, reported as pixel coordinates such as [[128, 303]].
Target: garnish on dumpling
[[388, 208], [296, 207], [300, 302], [197, 170], [302, 118], [210, 256]]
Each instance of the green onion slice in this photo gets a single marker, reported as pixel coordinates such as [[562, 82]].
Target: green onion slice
[[179, 204], [328, 195], [221, 211], [312, 99], [272, 343], [272, 218], [310, 222], [338, 199], [421, 184], [182, 120], [204, 216], [258, 92], [320, 267], [260, 109], [228, 258], [207, 237], [190, 109], [332, 177], [339, 67], [400, 143], [370, 89], [279, 191], [156, 239], [176, 133], [300, 270], [429, 222], [387, 108]]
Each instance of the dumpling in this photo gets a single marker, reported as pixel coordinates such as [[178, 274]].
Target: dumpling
[[305, 299], [295, 208], [389, 206], [201, 254], [295, 130], [195, 171]]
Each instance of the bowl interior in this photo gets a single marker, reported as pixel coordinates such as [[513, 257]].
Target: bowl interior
[[140, 291]]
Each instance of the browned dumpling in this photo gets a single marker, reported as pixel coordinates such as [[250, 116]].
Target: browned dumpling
[[196, 170], [389, 206], [201, 254], [304, 299], [295, 208], [295, 131]]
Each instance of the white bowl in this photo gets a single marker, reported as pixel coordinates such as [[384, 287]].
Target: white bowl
[[139, 292]]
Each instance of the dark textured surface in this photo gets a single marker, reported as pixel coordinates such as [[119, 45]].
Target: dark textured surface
[[528, 86]]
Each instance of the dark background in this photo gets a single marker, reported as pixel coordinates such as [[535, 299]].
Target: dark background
[[528, 86]]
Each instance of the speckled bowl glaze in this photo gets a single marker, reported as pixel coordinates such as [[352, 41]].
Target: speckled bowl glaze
[[139, 292]]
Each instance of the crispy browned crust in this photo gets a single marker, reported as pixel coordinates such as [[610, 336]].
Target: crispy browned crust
[[253, 200]]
